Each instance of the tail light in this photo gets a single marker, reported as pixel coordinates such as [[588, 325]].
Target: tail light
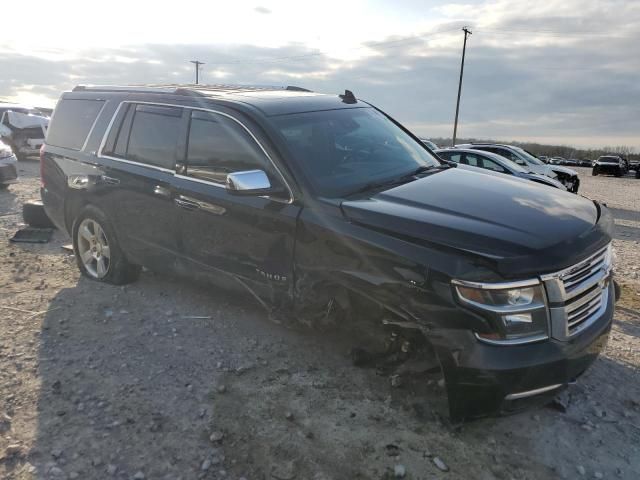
[[42, 166]]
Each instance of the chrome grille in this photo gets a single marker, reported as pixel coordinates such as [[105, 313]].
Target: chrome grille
[[578, 295]]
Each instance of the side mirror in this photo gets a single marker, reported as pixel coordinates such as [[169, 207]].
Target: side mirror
[[249, 182]]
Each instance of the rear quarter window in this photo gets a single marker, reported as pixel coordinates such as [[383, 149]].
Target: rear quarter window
[[72, 121]]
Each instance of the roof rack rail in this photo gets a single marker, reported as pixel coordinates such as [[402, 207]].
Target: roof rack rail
[[185, 89]]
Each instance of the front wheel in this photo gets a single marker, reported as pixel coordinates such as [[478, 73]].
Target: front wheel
[[594, 172], [97, 251]]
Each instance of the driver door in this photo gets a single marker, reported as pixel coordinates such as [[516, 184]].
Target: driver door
[[250, 238]]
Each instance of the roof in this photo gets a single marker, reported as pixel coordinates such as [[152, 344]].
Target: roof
[[271, 100], [475, 144]]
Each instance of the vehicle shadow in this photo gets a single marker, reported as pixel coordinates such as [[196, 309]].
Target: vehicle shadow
[[630, 322], [622, 231], [127, 377], [177, 380], [624, 214]]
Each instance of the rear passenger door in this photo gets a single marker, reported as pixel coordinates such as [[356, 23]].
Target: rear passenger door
[[140, 156], [250, 238]]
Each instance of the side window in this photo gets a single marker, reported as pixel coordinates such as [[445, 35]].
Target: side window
[[218, 146], [154, 134], [72, 121], [122, 138], [472, 160], [512, 156], [118, 138], [491, 165], [454, 157]]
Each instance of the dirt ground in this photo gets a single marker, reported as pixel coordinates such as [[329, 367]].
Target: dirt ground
[[164, 379]]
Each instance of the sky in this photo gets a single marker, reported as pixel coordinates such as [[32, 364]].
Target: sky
[[558, 71]]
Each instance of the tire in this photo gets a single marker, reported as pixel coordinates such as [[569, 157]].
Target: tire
[[98, 254], [594, 172], [618, 173], [4, 186], [638, 173], [34, 215]]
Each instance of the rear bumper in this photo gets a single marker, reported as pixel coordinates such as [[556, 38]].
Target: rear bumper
[[54, 208], [486, 380]]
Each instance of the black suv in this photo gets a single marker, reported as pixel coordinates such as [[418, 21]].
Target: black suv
[[325, 208], [610, 165]]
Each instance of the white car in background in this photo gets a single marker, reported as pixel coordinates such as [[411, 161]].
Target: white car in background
[[23, 129], [566, 176], [8, 166]]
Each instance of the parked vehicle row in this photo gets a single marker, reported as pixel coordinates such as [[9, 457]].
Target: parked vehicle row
[[485, 162], [327, 208], [569, 178]]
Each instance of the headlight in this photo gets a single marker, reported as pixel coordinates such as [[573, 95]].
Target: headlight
[[516, 310], [5, 152]]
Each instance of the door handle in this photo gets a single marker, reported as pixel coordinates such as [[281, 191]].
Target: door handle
[[109, 180], [162, 191], [186, 204]]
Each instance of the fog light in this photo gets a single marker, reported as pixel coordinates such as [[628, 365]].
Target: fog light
[[517, 319]]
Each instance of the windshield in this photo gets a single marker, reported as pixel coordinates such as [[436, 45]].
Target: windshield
[[341, 151], [528, 156]]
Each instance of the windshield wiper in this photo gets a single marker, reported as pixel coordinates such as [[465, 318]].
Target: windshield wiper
[[395, 181]]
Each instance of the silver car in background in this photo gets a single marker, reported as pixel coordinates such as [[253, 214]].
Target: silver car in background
[[492, 162]]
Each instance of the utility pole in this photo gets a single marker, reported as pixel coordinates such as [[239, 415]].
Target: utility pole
[[197, 65], [467, 32]]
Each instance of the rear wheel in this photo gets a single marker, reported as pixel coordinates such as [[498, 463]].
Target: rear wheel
[[97, 251]]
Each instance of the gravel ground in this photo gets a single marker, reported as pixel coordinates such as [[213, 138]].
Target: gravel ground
[[164, 379]]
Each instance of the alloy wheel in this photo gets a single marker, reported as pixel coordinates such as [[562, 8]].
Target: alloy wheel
[[93, 248]]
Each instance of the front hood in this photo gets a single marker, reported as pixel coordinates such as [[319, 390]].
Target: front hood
[[560, 169], [498, 218], [542, 170], [546, 180]]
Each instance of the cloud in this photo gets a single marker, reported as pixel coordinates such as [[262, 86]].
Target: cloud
[[566, 74], [262, 10]]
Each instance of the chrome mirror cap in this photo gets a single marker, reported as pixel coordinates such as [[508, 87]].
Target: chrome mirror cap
[[249, 182]]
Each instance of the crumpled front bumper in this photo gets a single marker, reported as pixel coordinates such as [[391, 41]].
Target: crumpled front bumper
[[486, 379]]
